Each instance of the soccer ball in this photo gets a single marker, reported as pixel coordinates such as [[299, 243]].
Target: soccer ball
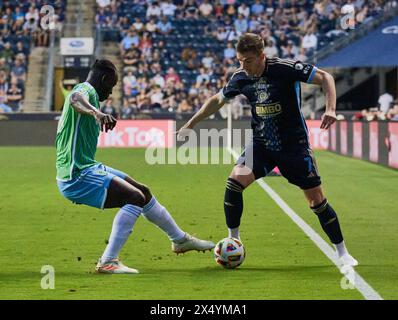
[[229, 253]]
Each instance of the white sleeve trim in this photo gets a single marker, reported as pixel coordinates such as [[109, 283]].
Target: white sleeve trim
[[223, 97]]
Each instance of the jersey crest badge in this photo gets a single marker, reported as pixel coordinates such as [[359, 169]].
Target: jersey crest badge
[[299, 66]]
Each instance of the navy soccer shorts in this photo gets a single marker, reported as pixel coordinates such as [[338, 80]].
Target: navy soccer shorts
[[296, 164]]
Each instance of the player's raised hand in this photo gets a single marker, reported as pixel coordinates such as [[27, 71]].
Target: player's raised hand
[[328, 118], [183, 132]]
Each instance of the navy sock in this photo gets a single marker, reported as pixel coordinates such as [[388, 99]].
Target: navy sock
[[329, 221], [233, 203]]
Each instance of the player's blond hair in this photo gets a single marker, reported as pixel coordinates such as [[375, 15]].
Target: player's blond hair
[[250, 42]]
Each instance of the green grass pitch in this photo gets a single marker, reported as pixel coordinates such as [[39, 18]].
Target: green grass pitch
[[39, 227]]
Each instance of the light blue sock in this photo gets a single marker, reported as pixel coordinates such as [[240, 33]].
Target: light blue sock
[[121, 229], [157, 214]]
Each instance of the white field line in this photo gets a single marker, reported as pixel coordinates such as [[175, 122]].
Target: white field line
[[354, 278]]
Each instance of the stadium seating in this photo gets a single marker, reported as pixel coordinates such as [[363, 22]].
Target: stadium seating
[[285, 23], [20, 30]]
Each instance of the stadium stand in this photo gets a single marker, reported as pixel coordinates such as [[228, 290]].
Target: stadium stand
[[195, 40], [20, 32]]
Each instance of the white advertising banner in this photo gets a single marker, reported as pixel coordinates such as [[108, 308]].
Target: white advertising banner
[[77, 46]]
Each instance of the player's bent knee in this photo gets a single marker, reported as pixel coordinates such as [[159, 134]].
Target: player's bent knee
[[143, 188], [137, 198], [314, 196], [147, 192], [243, 175]]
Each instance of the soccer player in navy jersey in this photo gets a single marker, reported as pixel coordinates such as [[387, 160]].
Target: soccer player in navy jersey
[[280, 134]]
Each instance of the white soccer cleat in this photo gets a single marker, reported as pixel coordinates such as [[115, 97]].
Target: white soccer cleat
[[348, 260], [191, 243], [114, 266]]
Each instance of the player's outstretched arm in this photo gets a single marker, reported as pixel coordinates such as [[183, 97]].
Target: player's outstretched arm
[[326, 80], [80, 103], [211, 106]]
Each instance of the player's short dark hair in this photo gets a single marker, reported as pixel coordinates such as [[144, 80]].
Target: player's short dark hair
[[103, 66], [250, 42]]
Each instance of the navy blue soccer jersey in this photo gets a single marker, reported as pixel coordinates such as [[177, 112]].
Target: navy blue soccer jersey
[[275, 99]]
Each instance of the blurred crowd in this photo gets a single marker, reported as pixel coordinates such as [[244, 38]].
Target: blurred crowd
[[166, 70], [20, 29], [386, 109]]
